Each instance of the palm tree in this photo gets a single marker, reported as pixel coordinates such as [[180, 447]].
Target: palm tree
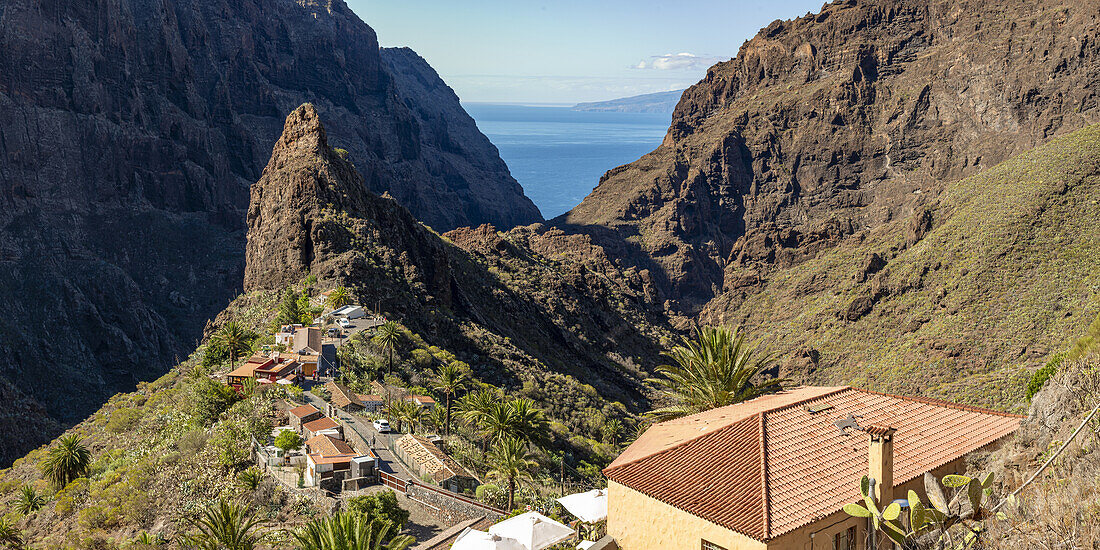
[[234, 339], [29, 501], [225, 526], [511, 463], [402, 411], [475, 406], [714, 371], [10, 535], [515, 419], [387, 338], [350, 531], [67, 461], [338, 298], [449, 380]]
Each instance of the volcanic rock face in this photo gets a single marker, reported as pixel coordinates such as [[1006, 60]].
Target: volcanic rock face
[[130, 132], [838, 122]]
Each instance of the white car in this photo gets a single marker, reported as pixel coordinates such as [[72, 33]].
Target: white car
[[382, 425], [344, 323]]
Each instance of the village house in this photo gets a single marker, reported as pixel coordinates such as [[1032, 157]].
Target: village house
[[298, 416], [322, 426], [248, 370], [425, 402], [343, 398], [333, 465], [371, 403], [430, 462], [277, 370], [387, 392], [775, 472]]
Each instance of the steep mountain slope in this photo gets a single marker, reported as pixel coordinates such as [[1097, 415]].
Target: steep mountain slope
[[993, 275], [660, 102], [129, 134], [512, 304], [838, 122]]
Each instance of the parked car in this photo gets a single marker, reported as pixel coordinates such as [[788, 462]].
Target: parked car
[[382, 425], [344, 323], [333, 332]]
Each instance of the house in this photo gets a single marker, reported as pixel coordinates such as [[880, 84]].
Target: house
[[387, 392], [306, 337], [299, 416], [323, 425], [274, 371], [328, 458], [425, 402], [371, 402], [343, 398], [776, 471], [428, 461], [285, 336], [248, 370], [349, 312]]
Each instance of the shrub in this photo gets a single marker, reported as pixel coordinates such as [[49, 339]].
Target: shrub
[[123, 420], [1039, 379], [210, 399], [381, 506], [192, 442]]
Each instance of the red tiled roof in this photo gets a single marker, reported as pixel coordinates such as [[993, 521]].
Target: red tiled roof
[[768, 466], [341, 396], [328, 446], [325, 423], [303, 411], [368, 398]]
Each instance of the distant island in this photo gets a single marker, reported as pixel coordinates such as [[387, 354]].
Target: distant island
[[660, 102]]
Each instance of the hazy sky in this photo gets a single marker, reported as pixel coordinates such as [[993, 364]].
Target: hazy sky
[[569, 50]]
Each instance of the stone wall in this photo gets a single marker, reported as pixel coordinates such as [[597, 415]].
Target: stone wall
[[450, 509]]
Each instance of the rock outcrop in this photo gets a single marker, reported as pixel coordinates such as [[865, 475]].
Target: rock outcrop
[[509, 303], [839, 122], [130, 132]]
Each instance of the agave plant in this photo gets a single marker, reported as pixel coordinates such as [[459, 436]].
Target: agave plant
[[937, 525], [350, 531], [250, 479], [10, 535], [224, 526], [29, 501]]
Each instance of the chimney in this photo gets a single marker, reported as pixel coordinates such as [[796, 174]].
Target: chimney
[[880, 463]]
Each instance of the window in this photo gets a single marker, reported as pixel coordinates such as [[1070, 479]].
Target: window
[[845, 540], [708, 545]]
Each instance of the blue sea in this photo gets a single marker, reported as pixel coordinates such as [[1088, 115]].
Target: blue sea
[[558, 154]]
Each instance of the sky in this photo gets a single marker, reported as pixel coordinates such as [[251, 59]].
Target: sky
[[568, 51]]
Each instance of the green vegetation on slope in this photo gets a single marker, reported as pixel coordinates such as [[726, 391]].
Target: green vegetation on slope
[[961, 307]]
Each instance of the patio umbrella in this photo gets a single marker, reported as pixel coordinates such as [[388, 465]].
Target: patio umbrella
[[533, 530], [585, 545], [284, 382], [472, 539], [589, 507]]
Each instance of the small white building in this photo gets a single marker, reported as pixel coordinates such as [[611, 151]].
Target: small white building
[[350, 312]]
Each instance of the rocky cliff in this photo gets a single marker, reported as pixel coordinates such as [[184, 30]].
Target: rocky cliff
[[511, 304], [130, 132], [838, 122]]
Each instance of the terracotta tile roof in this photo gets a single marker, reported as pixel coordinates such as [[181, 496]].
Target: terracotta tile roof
[[303, 411], [247, 370], [770, 465], [315, 426], [279, 370], [341, 395], [367, 398], [422, 400], [337, 459], [328, 446]]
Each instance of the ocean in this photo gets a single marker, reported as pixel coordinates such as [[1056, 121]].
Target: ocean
[[558, 155]]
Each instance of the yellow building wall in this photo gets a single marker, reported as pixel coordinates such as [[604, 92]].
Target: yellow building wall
[[638, 522]]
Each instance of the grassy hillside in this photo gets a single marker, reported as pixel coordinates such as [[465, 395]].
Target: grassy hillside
[[958, 300]]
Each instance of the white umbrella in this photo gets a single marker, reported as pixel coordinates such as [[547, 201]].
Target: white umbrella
[[589, 507], [585, 545], [533, 530], [472, 539], [284, 382]]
